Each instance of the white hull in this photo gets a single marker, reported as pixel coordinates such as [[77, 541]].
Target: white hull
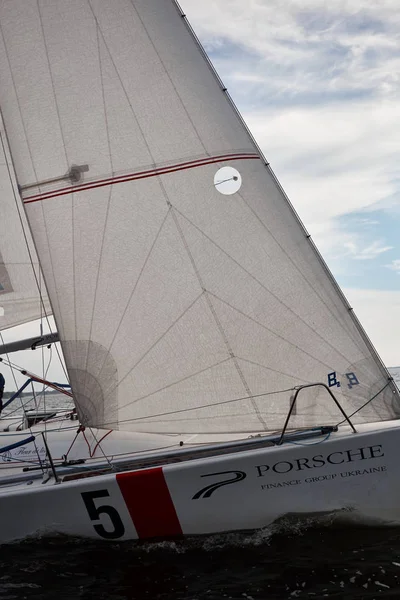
[[66, 443], [359, 473]]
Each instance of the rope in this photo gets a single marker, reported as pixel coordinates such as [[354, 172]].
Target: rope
[[367, 402], [183, 410]]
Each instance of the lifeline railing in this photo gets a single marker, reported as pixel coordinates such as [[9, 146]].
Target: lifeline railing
[[70, 471], [293, 405]]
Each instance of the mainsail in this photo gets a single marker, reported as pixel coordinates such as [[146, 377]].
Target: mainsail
[[23, 295], [187, 295]]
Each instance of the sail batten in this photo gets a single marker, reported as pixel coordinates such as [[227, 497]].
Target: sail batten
[[187, 294]]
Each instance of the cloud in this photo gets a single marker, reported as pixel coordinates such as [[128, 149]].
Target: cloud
[[305, 46], [379, 312], [368, 253], [395, 265], [323, 155]]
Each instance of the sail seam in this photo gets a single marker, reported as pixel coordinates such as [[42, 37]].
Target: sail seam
[[192, 408], [253, 362], [169, 77], [140, 175], [135, 286], [177, 382], [260, 283], [160, 338], [146, 143], [329, 367], [218, 322], [53, 87], [108, 200], [203, 371], [315, 291]]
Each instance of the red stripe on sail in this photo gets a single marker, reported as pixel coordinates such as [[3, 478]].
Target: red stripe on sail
[[140, 175], [149, 502]]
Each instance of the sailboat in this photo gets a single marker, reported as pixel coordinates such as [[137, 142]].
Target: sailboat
[[192, 306]]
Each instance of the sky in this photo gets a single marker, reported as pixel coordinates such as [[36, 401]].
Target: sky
[[318, 84]]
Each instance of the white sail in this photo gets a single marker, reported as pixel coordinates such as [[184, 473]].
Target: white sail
[[180, 308], [20, 278]]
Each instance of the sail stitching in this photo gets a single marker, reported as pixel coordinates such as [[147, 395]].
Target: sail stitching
[[160, 338], [135, 287], [253, 362], [139, 175], [177, 382], [258, 281], [170, 78], [221, 403], [329, 367], [218, 322], [108, 201]]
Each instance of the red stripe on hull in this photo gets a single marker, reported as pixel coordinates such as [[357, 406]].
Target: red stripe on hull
[[149, 502]]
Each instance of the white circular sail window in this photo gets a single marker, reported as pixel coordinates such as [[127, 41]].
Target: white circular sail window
[[227, 180]]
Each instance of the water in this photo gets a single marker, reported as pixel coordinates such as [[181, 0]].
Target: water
[[289, 561], [47, 401]]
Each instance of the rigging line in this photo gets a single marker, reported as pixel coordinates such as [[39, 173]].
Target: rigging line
[[9, 365], [34, 170], [170, 78], [217, 320], [25, 403], [134, 452], [42, 354], [20, 398], [313, 288], [98, 445], [25, 236], [221, 403], [66, 160], [45, 371], [177, 382], [365, 403], [18, 460], [256, 280]]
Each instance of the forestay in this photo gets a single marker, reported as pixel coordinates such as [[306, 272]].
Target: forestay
[[20, 278], [182, 307]]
